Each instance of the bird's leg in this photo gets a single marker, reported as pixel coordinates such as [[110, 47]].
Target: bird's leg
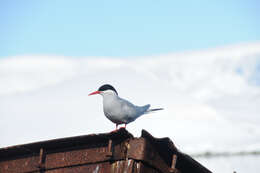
[[115, 129], [124, 126]]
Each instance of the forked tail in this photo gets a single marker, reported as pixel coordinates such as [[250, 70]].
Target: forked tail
[[153, 110], [157, 109]]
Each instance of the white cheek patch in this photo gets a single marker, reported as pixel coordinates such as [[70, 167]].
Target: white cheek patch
[[108, 92]]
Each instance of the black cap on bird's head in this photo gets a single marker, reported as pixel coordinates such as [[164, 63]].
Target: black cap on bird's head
[[107, 87], [104, 88]]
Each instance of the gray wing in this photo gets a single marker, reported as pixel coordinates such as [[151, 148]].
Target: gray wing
[[131, 111]]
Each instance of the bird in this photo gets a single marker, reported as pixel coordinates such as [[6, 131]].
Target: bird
[[119, 110]]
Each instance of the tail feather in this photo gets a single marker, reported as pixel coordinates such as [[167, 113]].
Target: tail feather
[[153, 110], [157, 109]]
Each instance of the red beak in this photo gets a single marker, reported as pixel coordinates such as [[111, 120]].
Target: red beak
[[96, 92]]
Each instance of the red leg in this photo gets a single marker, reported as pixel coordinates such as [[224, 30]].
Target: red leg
[[123, 127], [115, 129]]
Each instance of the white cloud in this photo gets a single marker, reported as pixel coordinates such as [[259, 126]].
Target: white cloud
[[209, 99], [19, 74]]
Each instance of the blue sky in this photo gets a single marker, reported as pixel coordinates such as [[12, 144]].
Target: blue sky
[[117, 28]]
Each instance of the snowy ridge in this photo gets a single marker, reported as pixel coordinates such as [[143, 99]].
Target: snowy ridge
[[225, 154]]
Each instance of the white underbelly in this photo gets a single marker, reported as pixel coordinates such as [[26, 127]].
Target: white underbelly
[[116, 118]]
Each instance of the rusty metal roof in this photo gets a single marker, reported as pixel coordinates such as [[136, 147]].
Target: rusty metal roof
[[63, 144], [166, 149], [144, 154]]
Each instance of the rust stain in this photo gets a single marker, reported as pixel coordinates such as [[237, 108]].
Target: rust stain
[[117, 152]]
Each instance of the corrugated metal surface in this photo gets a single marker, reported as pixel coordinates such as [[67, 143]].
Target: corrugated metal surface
[[116, 152]]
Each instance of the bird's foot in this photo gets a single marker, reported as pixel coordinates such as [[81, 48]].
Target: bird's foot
[[118, 129], [113, 131], [123, 127]]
